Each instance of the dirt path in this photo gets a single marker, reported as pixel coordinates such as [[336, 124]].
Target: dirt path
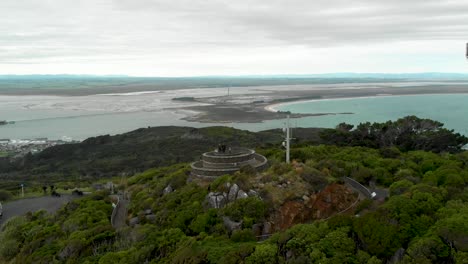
[[21, 207]]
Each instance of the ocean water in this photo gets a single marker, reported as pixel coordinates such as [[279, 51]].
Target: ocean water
[[450, 109], [80, 117]]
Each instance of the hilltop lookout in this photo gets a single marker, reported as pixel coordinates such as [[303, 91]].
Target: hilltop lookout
[[226, 160]]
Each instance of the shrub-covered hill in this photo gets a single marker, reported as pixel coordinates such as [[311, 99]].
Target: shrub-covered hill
[[145, 148], [423, 221], [135, 151]]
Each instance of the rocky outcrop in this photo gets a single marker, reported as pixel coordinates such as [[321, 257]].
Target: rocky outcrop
[[233, 192], [216, 199], [146, 215], [262, 230], [134, 221], [168, 189], [252, 193], [241, 195], [231, 225], [331, 200]]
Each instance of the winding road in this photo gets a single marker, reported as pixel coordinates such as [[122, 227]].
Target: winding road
[[120, 212]]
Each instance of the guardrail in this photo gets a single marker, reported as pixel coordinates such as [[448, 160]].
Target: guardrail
[[345, 210], [356, 185]]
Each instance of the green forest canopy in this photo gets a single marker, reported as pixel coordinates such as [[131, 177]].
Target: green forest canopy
[[425, 217]]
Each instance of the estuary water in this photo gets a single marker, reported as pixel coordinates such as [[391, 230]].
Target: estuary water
[[450, 109], [80, 117]]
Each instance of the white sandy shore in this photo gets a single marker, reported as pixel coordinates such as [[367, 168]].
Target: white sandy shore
[[274, 107]]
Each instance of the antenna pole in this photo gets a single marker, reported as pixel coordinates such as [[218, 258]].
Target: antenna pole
[[288, 139]]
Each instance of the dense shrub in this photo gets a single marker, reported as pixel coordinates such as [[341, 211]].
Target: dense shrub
[[5, 195]]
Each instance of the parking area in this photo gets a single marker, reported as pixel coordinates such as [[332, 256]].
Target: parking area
[[21, 207]]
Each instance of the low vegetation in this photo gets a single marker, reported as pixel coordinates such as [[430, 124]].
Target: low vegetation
[[424, 219]]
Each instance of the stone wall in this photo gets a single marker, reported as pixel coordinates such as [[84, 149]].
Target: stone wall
[[215, 164], [227, 158]]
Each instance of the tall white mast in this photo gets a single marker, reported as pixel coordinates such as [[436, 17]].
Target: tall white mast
[[288, 139]]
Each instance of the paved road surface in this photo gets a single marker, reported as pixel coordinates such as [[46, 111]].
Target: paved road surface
[[121, 213], [381, 194], [21, 207]]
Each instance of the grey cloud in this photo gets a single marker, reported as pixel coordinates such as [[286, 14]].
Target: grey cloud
[[70, 28], [390, 21]]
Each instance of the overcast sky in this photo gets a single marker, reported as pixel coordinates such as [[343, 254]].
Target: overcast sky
[[232, 37]]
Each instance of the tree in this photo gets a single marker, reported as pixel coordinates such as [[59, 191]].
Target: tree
[[5, 195], [400, 187], [263, 254], [380, 236], [338, 245], [428, 249], [408, 133]]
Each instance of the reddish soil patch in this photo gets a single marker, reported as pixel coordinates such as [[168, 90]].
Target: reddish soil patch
[[331, 200]]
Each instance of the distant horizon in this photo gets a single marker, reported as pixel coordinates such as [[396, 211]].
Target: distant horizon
[[357, 75]]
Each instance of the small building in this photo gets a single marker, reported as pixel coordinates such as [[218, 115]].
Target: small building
[[227, 161]]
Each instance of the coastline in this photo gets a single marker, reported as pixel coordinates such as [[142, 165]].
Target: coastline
[[273, 107], [248, 108]]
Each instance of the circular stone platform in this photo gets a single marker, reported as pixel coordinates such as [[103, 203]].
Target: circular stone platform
[[214, 164]]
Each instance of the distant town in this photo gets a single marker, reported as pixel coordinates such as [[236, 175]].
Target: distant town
[[4, 122], [17, 148]]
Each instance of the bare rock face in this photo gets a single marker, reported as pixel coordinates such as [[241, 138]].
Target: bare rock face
[[232, 196], [267, 228], [216, 200], [168, 189], [231, 225], [252, 193], [134, 221], [241, 194], [233, 192], [330, 201]]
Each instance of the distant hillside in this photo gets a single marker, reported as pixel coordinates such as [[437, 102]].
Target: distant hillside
[[144, 148], [89, 84], [136, 151]]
